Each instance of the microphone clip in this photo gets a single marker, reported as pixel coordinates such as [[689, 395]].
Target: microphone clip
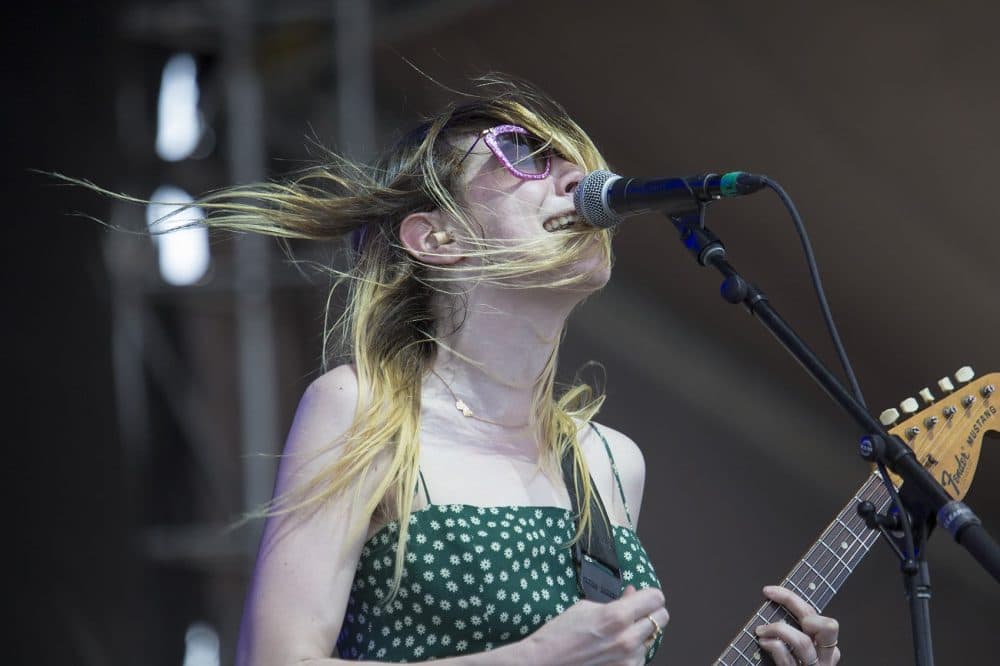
[[697, 238]]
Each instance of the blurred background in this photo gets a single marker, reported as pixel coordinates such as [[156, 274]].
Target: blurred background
[[151, 381]]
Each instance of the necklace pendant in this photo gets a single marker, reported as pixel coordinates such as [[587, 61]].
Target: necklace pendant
[[462, 407]]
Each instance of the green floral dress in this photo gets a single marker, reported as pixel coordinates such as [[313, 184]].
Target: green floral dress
[[475, 578]]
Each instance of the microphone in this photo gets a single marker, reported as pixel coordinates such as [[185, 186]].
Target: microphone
[[603, 199]]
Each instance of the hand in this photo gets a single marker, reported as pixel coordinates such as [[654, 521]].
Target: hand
[[589, 633], [814, 645]]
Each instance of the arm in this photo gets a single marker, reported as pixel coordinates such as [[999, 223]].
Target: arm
[[306, 562]]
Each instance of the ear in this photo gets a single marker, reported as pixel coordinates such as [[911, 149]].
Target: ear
[[421, 234]]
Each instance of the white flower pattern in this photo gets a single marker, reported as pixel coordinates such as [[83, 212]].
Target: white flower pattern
[[454, 574]]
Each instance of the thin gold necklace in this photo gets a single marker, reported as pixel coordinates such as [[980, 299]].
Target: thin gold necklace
[[466, 411]]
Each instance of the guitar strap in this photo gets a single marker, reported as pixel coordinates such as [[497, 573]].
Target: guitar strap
[[599, 577]]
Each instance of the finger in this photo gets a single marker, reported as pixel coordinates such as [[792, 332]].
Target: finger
[[824, 631], [779, 651], [799, 643], [629, 591], [640, 603], [643, 628], [799, 607]]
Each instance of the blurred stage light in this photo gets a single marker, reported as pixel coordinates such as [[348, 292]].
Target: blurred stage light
[[201, 645], [183, 252], [179, 123]]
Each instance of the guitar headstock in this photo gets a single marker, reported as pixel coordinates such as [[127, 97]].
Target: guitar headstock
[[947, 434]]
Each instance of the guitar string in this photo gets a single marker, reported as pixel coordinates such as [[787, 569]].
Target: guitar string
[[936, 448], [837, 567], [844, 568], [871, 489], [769, 612]]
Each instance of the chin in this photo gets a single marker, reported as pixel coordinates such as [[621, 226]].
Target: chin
[[595, 265], [597, 274]]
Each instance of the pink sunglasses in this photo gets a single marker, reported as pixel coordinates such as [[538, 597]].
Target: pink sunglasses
[[521, 153]]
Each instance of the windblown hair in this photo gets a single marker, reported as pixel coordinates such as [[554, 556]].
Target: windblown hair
[[391, 327]]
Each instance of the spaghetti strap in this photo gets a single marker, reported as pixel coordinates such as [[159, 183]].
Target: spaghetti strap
[[614, 468], [424, 484]]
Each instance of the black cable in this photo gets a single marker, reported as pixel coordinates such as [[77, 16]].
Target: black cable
[[818, 284], [904, 520]]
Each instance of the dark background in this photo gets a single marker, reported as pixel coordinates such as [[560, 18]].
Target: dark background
[[879, 119]]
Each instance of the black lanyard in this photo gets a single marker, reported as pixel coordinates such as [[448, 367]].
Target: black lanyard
[[598, 575]]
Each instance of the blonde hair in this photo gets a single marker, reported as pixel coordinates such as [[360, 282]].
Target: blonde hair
[[389, 328]]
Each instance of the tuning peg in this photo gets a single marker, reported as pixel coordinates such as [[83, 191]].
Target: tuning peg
[[889, 416], [964, 374], [926, 396], [909, 406], [945, 385]]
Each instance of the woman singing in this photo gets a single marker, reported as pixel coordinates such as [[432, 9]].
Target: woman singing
[[420, 510]]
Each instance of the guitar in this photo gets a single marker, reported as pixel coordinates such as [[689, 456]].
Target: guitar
[[946, 436]]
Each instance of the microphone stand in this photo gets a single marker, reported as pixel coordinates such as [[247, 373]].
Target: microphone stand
[[924, 498]]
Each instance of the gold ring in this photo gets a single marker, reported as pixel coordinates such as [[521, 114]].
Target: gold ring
[[833, 644], [657, 630]]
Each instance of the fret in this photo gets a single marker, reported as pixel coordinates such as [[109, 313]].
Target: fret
[[807, 578], [819, 560], [848, 528], [841, 539], [767, 620], [836, 555], [738, 653], [828, 562], [849, 550], [802, 593], [816, 572], [862, 552], [742, 653], [778, 613]]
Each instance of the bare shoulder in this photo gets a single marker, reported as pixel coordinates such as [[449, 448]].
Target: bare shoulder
[[628, 455], [317, 437], [307, 559], [325, 412], [630, 463]]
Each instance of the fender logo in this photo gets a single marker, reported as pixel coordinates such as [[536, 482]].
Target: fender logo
[[952, 479]]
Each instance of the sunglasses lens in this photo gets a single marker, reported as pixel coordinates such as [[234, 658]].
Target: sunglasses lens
[[525, 152]]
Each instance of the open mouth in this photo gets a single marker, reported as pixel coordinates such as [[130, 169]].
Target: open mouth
[[557, 222]]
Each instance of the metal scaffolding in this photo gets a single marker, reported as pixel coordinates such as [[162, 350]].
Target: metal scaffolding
[[195, 457]]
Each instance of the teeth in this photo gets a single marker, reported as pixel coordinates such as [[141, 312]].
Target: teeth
[[560, 222]]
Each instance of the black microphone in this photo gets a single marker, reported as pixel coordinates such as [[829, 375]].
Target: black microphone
[[603, 199]]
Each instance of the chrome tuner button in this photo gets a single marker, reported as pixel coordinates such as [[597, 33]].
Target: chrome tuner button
[[964, 374], [912, 432], [968, 400], [930, 422], [988, 390], [949, 411], [889, 416]]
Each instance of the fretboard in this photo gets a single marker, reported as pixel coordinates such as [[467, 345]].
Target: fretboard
[[818, 575]]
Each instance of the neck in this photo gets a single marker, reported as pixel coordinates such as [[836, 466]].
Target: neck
[[496, 358]]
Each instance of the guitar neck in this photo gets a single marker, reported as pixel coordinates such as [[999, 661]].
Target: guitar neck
[[819, 575]]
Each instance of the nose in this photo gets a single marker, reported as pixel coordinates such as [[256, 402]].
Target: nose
[[567, 176]]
